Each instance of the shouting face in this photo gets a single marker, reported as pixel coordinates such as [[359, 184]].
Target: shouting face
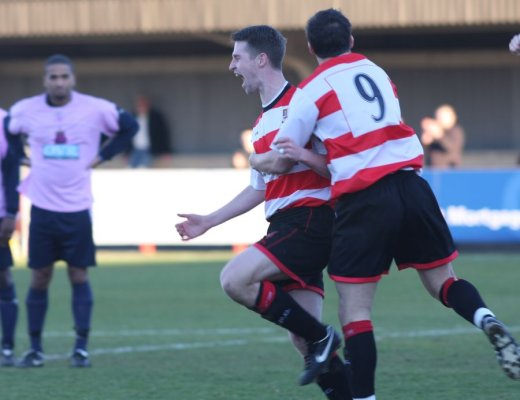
[[244, 64]]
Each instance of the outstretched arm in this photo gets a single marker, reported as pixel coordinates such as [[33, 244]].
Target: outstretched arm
[[196, 225]]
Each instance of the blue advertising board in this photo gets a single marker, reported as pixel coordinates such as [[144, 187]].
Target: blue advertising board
[[480, 206]]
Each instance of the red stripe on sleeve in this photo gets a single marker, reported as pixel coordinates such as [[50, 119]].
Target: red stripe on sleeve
[[328, 104]]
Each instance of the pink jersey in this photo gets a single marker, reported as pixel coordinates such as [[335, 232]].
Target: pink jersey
[[352, 106], [301, 186], [63, 141], [3, 152]]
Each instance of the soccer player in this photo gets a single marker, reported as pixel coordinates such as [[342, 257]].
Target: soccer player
[[9, 179], [63, 129], [280, 277], [384, 210]]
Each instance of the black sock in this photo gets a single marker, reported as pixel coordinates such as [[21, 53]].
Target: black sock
[[334, 383], [278, 307], [360, 351], [462, 296]]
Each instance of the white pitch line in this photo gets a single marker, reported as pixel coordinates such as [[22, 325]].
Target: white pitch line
[[169, 332], [244, 342]]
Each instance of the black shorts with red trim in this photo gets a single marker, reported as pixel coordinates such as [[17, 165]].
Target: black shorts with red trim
[[396, 219], [298, 241]]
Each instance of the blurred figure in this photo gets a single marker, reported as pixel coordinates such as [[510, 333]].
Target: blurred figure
[[9, 202], [152, 142], [514, 45], [443, 139], [62, 129], [240, 159]]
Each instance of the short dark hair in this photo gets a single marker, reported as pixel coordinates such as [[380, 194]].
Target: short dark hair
[[59, 59], [263, 39], [328, 32]]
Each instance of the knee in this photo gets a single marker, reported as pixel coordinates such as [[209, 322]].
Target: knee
[[41, 278], [229, 283], [78, 275]]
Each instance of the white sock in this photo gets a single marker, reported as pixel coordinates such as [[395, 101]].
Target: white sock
[[373, 397], [480, 314]]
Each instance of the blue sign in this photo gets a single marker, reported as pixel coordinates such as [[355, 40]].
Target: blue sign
[[479, 206]]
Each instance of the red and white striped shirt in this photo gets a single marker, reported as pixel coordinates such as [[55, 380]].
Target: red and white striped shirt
[[351, 105], [301, 186]]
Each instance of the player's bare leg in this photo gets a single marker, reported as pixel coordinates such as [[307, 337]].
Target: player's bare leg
[[250, 278]]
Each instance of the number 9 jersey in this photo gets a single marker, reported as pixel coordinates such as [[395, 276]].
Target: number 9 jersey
[[351, 105]]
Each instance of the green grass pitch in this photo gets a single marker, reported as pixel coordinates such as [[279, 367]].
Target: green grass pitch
[[163, 329]]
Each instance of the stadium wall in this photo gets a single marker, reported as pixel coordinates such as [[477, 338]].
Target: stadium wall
[[140, 207]]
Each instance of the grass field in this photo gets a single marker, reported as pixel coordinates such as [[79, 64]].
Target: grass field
[[163, 329]]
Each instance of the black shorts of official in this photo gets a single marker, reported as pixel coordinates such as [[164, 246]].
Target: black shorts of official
[[63, 236], [396, 219], [6, 257], [298, 242]]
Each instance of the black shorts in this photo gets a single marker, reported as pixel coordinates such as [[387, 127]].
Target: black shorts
[[298, 241], [397, 218], [63, 236], [6, 257]]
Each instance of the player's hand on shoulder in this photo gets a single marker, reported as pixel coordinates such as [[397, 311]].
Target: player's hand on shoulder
[[514, 45], [193, 226]]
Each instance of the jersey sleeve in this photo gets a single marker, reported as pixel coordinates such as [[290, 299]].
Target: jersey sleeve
[[301, 120], [257, 181], [14, 124], [108, 118]]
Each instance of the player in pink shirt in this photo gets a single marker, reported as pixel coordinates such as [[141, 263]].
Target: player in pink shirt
[[9, 179], [63, 130], [385, 211]]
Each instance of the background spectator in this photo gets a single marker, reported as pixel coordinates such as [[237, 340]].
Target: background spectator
[[152, 142], [443, 138], [240, 159]]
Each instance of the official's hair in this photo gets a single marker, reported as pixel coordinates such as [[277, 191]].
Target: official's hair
[[328, 33], [59, 59], [263, 39]]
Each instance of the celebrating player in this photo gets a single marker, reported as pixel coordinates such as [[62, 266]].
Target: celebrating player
[[280, 277], [384, 210], [63, 129]]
